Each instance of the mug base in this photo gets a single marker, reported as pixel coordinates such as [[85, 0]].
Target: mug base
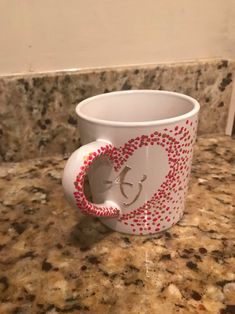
[[114, 225]]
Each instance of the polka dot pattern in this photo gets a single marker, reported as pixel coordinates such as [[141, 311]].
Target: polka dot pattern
[[82, 203], [165, 207]]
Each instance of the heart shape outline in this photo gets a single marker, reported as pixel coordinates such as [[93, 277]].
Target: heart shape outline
[[152, 215]]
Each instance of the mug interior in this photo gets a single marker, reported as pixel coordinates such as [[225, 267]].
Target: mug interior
[[137, 106]]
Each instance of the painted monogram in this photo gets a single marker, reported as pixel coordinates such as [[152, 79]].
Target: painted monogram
[[120, 180]]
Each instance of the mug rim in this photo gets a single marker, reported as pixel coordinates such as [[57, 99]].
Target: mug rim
[[191, 113]]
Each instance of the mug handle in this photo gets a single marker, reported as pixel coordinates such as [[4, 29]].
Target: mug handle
[[73, 179]]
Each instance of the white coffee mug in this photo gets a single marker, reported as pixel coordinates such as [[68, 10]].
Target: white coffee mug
[[137, 153]]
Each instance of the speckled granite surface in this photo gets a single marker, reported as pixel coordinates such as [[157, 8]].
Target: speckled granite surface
[[37, 116], [54, 260]]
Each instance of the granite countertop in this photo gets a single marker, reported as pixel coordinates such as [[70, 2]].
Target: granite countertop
[[55, 260]]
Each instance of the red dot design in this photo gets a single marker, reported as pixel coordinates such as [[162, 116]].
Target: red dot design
[[82, 203], [163, 209]]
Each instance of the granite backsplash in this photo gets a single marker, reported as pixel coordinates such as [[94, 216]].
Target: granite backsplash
[[37, 116]]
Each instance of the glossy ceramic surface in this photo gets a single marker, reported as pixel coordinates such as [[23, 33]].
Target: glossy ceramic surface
[[144, 141]]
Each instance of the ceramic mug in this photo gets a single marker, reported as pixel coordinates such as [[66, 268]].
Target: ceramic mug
[[137, 153]]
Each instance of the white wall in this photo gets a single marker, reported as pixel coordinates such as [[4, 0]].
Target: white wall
[[50, 35]]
